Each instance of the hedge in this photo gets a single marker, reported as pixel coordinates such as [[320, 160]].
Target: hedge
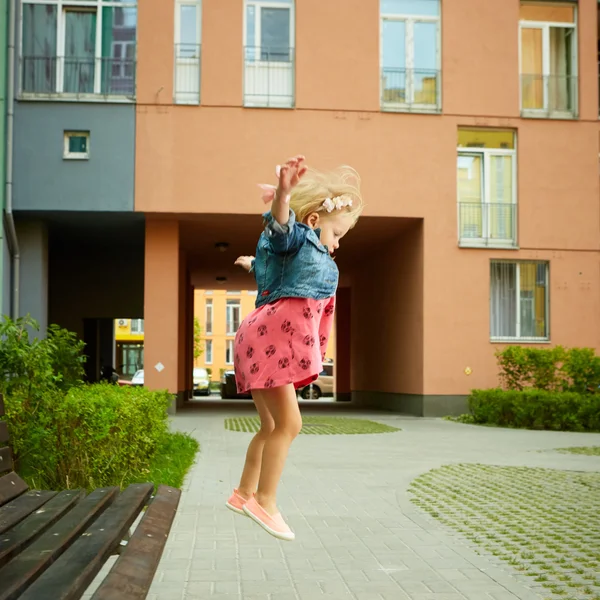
[[555, 369], [91, 436], [535, 409]]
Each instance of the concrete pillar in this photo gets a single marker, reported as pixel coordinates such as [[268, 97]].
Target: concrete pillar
[[189, 360], [33, 280], [343, 356], [164, 337]]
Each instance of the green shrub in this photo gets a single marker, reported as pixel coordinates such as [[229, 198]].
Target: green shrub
[[549, 369], [536, 409], [90, 436], [29, 365]]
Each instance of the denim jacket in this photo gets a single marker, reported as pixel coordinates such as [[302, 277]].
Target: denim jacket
[[291, 262]]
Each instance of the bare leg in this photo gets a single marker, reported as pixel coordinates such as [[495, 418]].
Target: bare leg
[[251, 472], [282, 404]]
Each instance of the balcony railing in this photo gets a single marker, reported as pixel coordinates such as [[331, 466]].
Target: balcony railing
[[187, 74], [410, 89], [69, 76], [487, 224], [549, 95], [269, 77]]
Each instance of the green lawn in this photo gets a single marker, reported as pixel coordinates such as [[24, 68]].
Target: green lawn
[[587, 450], [171, 462], [316, 425], [542, 522]]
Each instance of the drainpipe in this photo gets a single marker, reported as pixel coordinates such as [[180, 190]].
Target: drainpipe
[[10, 117]]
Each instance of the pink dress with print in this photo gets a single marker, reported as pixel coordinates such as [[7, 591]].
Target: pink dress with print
[[282, 343]]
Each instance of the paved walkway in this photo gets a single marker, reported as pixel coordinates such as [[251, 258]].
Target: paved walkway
[[357, 533]]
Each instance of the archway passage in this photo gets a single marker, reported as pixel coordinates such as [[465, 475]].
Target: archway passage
[[379, 322]]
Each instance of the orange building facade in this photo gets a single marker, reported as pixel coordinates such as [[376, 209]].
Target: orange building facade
[[474, 125]]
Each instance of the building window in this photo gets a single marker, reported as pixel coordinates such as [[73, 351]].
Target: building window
[[76, 145], [548, 59], [208, 349], [229, 352], [188, 28], [233, 316], [137, 325], [209, 317], [75, 50], [487, 192], [410, 55], [519, 301], [269, 53]]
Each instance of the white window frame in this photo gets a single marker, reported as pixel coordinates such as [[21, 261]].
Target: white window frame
[[229, 352], [62, 7], [208, 352], [518, 338], [265, 64], [139, 328], [259, 5], [67, 154], [229, 320], [208, 309], [545, 26], [409, 52], [191, 63], [485, 240]]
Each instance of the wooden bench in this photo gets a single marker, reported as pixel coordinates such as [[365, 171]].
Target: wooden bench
[[53, 544]]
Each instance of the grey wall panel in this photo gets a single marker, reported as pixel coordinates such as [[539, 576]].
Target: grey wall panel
[[44, 180]]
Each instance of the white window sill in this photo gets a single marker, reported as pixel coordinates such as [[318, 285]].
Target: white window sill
[[487, 243], [289, 104], [499, 340], [432, 109], [546, 114], [55, 97]]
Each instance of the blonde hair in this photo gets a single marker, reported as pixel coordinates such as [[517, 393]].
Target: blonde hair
[[315, 187]]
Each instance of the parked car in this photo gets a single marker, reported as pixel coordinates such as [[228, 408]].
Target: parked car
[[229, 387], [138, 378], [201, 382], [323, 386]]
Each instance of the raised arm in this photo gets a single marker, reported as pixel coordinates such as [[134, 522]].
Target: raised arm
[[246, 262], [289, 175]]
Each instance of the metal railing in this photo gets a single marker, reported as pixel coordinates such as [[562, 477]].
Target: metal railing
[[412, 88], [78, 76], [186, 83], [482, 223], [269, 76], [549, 95]]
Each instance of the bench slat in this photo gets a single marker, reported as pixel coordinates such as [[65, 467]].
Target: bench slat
[[76, 568], [21, 535], [16, 510], [5, 460], [26, 567], [132, 574], [11, 486], [3, 432]]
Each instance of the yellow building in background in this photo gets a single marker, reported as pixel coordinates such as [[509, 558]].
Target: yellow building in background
[[219, 313], [129, 346]]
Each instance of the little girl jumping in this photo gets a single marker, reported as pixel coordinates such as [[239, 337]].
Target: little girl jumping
[[280, 346]]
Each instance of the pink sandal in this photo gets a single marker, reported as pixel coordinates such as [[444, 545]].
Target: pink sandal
[[275, 525], [236, 503]]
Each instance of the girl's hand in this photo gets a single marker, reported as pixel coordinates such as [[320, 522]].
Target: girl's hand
[[289, 175], [245, 262]]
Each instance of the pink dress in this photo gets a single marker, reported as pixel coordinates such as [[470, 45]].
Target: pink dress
[[283, 342]]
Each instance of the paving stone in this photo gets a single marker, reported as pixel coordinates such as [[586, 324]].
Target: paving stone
[[359, 535]]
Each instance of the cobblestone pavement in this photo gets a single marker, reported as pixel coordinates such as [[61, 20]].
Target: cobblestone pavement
[[358, 535]]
